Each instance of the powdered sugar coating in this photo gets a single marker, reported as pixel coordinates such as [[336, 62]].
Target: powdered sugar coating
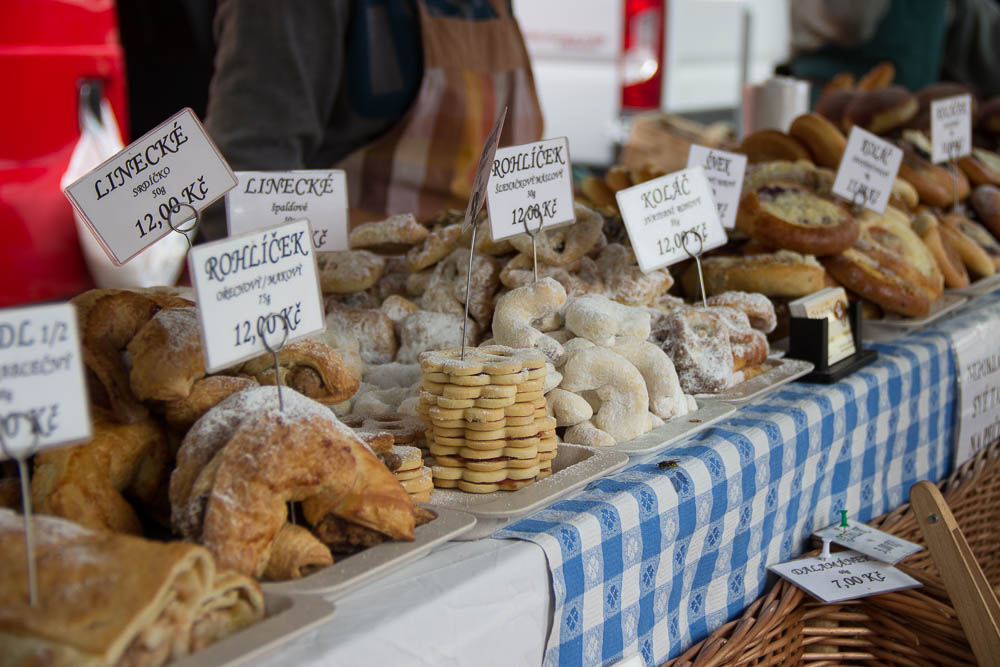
[[757, 307], [697, 341]]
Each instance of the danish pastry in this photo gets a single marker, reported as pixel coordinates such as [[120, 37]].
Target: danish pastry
[[787, 215]]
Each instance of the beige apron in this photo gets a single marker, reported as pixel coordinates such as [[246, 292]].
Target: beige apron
[[427, 161]]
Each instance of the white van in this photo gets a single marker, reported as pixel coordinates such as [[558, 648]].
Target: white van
[[597, 60]]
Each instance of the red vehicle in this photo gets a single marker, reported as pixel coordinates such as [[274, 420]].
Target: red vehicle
[[54, 56]]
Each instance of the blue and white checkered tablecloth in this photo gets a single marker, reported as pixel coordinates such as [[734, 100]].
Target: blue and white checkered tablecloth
[[649, 561]]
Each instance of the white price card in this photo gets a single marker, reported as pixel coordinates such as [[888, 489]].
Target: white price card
[[868, 170], [268, 198], [530, 185], [977, 359], [845, 575], [131, 199], [951, 128], [870, 541], [245, 281], [669, 213], [483, 169], [41, 380], [725, 174]]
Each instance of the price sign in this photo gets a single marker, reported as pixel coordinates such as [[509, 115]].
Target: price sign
[[869, 541], [131, 199], [664, 215], [268, 198], [977, 360], [530, 184], [41, 380], [482, 178], [845, 575], [243, 281], [951, 128], [725, 174], [868, 170]]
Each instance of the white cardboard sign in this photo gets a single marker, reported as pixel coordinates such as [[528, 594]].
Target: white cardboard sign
[[41, 380], [664, 214], [131, 199], [531, 185], [242, 281], [845, 575], [725, 174], [868, 170], [264, 199], [951, 128], [977, 360], [870, 541]]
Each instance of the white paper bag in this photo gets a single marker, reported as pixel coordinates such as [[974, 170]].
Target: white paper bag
[[160, 264]]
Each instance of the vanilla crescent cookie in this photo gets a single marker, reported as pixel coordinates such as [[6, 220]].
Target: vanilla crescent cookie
[[518, 310], [395, 234], [567, 408], [599, 319], [624, 412], [666, 398], [347, 271]]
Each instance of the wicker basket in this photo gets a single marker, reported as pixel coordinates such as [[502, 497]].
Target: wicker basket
[[914, 628]]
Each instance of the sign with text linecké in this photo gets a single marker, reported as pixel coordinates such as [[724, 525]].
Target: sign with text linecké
[[242, 281], [867, 170], [268, 198], [41, 379], [530, 184], [951, 128], [725, 174], [129, 200], [660, 215]]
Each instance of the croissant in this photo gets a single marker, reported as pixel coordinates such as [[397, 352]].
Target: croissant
[[246, 458], [205, 394], [107, 599], [86, 482], [295, 553], [166, 355], [310, 367]]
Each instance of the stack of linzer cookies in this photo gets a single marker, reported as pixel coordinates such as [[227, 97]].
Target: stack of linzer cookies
[[487, 426]]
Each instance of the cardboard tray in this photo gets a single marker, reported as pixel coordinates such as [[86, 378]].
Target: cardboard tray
[[661, 437]]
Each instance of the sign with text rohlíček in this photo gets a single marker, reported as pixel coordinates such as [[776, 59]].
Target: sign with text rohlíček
[[130, 200], [247, 284], [530, 184]]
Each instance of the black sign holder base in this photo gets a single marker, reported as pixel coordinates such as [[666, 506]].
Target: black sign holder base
[[808, 340]]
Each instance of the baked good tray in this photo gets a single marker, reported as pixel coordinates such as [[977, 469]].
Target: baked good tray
[[348, 573], [661, 437], [779, 372], [946, 304], [573, 467], [979, 288], [286, 618]]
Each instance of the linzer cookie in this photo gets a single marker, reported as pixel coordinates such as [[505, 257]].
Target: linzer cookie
[[485, 418]]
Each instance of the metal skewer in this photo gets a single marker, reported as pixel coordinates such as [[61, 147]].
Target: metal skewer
[[22, 470], [533, 234], [184, 231], [697, 260]]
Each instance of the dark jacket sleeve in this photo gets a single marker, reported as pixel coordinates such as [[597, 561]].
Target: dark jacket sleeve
[[278, 66]]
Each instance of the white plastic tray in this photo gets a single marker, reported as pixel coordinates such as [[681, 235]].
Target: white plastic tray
[[348, 573], [573, 467], [947, 303], [287, 617], [661, 437], [779, 372], [979, 288]]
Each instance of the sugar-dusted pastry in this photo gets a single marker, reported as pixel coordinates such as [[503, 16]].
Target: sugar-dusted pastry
[[205, 394], [567, 408], [697, 341], [88, 483], [245, 459], [563, 245], [426, 330], [666, 397], [309, 367], [167, 356], [517, 312], [579, 277], [396, 234], [600, 320], [107, 599], [346, 271], [624, 412], [625, 282], [757, 307], [446, 289], [438, 245], [374, 331]]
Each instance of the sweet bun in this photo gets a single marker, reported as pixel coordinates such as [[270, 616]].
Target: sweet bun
[[863, 275], [881, 110], [826, 143], [932, 183], [890, 241], [787, 215], [877, 77], [975, 258], [982, 167], [803, 172], [979, 234], [986, 201], [832, 105], [779, 274], [948, 260], [769, 145]]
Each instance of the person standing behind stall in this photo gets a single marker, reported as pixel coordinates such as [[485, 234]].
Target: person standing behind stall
[[401, 94]]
